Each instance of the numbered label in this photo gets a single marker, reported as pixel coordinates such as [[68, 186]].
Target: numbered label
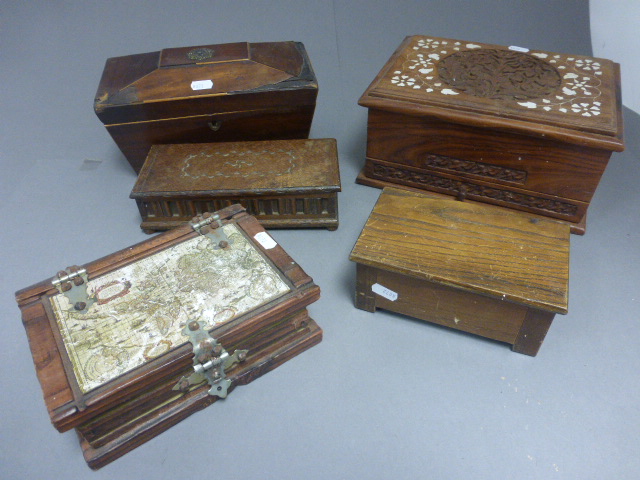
[[264, 239], [384, 292], [201, 85]]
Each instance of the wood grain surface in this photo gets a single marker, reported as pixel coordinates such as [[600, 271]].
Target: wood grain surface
[[283, 183], [153, 421], [239, 168], [258, 91], [66, 405], [517, 161], [481, 249], [465, 106]]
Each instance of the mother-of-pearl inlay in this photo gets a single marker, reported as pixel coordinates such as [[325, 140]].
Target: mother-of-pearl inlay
[[537, 80]]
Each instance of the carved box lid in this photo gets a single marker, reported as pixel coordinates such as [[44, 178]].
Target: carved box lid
[[273, 167], [569, 97], [178, 82], [478, 248]]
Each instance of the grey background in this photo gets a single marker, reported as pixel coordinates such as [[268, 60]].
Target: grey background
[[382, 396]]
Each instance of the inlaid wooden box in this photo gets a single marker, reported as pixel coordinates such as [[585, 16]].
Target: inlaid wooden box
[[283, 183], [129, 345], [214, 93], [524, 129], [481, 269]]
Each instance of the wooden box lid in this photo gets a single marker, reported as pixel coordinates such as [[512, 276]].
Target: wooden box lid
[[473, 247], [129, 339], [187, 81], [572, 98], [274, 167]]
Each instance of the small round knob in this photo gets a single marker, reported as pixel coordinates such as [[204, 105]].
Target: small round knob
[[214, 125]]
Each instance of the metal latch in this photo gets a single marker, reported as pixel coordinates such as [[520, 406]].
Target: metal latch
[[210, 225], [72, 283], [209, 362]]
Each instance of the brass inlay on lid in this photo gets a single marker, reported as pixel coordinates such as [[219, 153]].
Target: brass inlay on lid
[[199, 54]]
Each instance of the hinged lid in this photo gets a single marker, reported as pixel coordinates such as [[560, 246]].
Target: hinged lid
[[72, 283], [210, 361], [478, 248], [130, 339], [211, 226], [570, 97], [204, 80], [239, 168]]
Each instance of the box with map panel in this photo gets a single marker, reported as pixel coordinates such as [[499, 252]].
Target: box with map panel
[[128, 345]]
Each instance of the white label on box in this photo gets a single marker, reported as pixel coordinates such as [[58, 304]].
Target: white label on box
[[518, 49], [264, 239], [384, 292], [201, 84]]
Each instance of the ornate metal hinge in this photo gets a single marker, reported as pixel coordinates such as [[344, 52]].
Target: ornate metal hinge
[[210, 361], [72, 283], [211, 226]]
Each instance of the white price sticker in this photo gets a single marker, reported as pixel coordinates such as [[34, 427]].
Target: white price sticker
[[264, 239], [518, 49], [384, 292], [201, 85]]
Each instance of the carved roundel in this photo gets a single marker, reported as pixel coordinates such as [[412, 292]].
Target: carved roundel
[[499, 74]]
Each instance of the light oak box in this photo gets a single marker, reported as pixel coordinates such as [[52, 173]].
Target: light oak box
[[211, 93], [283, 183], [477, 268], [524, 129], [131, 344]]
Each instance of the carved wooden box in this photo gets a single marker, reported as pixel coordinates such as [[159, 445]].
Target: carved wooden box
[[481, 269], [129, 345], [283, 183], [214, 93], [528, 130]]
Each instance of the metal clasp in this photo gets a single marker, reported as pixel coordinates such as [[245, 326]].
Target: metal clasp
[[211, 226], [72, 283], [210, 361]]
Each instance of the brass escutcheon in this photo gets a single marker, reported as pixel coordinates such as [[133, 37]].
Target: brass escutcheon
[[199, 54]]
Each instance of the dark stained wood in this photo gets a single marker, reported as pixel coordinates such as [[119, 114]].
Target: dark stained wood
[[534, 329], [484, 270], [469, 104], [578, 228], [439, 129], [47, 359], [157, 421], [173, 57], [266, 329], [259, 92], [568, 171], [283, 56], [365, 277], [135, 139], [111, 424], [283, 183], [478, 314], [464, 188]]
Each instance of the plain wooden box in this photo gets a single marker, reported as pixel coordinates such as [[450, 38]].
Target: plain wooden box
[[528, 130], [481, 269], [283, 183], [128, 410], [212, 93]]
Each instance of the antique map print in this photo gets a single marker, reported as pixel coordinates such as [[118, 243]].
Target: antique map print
[[141, 308]]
